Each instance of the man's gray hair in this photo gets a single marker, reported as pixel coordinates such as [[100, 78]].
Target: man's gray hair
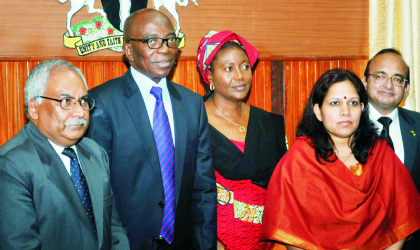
[[36, 85]]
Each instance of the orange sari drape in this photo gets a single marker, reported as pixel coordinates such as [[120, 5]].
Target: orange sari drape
[[316, 206]]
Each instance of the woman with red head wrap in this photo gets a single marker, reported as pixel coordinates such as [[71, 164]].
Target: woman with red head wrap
[[247, 142]]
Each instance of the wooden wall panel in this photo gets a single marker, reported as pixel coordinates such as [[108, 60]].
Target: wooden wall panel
[[283, 27], [277, 87], [12, 98], [22, 76], [3, 103], [13, 76], [11, 87], [266, 80], [260, 93], [282, 87], [280, 27]]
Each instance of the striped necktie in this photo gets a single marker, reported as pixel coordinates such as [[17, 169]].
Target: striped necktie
[[166, 152], [80, 183]]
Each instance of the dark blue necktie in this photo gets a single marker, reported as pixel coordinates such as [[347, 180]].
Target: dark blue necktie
[[386, 121], [80, 183], [166, 152]]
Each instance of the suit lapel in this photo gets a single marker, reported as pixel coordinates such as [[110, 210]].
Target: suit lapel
[[137, 109], [409, 142], [180, 125], [57, 172], [95, 188]]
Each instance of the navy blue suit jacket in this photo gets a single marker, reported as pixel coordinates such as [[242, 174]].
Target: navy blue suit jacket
[[120, 124]]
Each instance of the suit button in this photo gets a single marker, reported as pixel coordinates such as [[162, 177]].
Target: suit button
[[161, 204]]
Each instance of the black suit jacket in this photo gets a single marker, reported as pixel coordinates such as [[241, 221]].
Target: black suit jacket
[[120, 124], [40, 207], [410, 132]]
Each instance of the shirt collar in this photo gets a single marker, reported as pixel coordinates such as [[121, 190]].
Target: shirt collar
[[375, 115], [60, 149], [145, 84]]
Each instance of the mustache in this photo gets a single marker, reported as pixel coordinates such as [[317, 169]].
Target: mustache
[[80, 121]]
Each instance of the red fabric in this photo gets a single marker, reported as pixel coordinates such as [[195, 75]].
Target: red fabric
[[239, 144], [315, 206], [211, 44], [233, 232]]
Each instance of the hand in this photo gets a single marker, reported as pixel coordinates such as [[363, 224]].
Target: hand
[[289, 247], [220, 245], [397, 245]]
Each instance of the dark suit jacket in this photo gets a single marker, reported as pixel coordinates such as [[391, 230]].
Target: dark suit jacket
[[410, 132], [120, 124], [40, 206]]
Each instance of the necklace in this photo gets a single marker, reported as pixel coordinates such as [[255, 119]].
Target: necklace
[[356, 169], [348, 157], [242, 129], [337, 153]]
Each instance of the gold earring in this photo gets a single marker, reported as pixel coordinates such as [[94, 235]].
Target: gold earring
[[212, 87]]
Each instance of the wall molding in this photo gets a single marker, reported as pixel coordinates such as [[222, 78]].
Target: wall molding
[[181, 58]]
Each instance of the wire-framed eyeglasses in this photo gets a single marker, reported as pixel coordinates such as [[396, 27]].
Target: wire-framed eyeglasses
[[157, 42], [382, 78], [68, 103]]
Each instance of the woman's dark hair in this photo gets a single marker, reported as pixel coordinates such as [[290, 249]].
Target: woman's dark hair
[[310, 126], [209, 94]]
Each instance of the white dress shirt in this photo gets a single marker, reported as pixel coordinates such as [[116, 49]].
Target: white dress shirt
[[145, 84], [65, 159], [394, 129]]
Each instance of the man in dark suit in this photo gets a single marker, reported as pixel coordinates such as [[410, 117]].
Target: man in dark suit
[[54, 184], [126, 123], [387, 81]]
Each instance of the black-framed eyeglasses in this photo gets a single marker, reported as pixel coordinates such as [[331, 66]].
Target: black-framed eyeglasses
[[382, 78], [156, 42], [68, 103]]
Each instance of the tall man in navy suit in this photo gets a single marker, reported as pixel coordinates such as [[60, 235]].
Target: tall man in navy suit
[[387, 81], [125, 122]]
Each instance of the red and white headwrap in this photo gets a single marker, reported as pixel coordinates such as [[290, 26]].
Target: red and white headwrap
[[211, 44]]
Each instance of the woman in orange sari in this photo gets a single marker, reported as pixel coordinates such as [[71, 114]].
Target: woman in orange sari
[[339, 187]]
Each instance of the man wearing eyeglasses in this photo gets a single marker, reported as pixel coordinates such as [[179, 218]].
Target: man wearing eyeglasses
[[54, 184], [387, 81], [156, 135]]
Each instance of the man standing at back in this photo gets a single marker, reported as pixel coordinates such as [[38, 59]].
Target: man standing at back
[[155, 134], [387, 81]]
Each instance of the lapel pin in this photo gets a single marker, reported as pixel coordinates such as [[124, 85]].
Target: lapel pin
[[414, 133]]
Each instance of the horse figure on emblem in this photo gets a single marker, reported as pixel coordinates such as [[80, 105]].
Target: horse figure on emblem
[[170, 6]]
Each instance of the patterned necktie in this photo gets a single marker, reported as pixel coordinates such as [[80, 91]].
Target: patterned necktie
[[386, 121], [80, 183], [166, 152]]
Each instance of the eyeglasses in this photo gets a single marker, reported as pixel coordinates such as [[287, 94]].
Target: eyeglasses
[[68, 103], [156, 42], [382, 78]]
